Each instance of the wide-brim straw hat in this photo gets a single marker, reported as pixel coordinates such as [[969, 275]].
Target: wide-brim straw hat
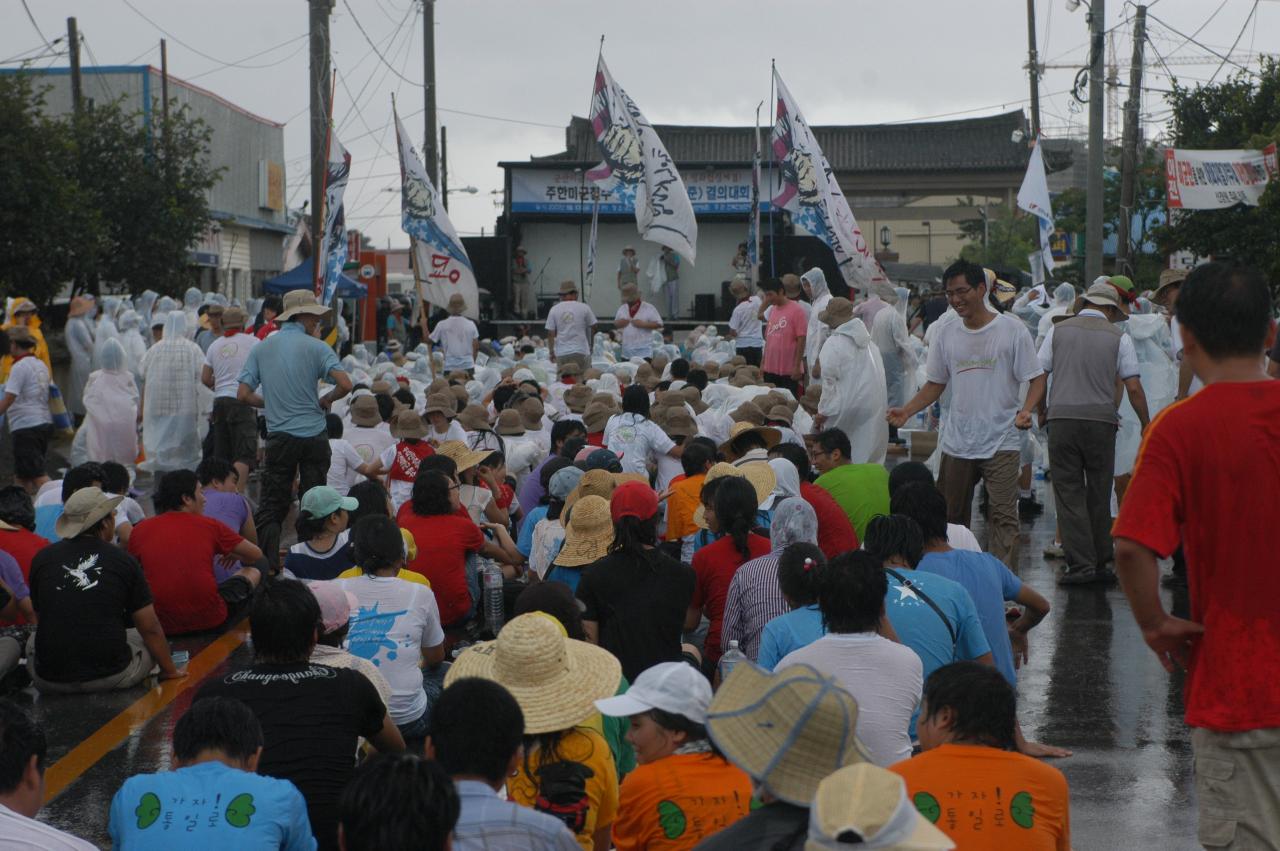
[[599, 483], [555, 679], [787, 730], [758, 474], [442, 403], [408, 423], [463, 457], [509, 424], [588, 534], [301, 301], [771, 437], [364, 412]]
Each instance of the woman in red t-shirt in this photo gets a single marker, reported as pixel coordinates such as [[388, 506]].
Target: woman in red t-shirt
[[446, 536], [729, 507]]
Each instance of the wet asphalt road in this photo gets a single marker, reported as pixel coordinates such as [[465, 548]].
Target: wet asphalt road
[[1091, 686]]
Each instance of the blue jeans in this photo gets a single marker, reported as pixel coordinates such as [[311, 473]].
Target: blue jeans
[[415, 732]]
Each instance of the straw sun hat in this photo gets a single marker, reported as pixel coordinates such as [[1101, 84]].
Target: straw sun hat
[[771, 437], [461, 455], [555, 679], [588, 534], [758, 474]]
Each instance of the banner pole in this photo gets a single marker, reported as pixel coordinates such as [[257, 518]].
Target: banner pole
[[773, 106], [318, 239]]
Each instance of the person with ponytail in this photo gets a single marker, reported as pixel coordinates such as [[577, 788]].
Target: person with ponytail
[[635, 597], [733, 517], [798, 569]]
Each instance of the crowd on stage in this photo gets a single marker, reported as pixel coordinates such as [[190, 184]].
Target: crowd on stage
[[599, 585]]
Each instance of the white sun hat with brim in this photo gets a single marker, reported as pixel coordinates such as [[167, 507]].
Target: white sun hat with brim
[[675, 687], [555, 679]]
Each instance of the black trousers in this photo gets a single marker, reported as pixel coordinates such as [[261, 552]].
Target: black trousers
[[287, 457]]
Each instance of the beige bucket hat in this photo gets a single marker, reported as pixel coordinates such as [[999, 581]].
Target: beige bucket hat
[[588, 534], [301, 301], [408, 424]]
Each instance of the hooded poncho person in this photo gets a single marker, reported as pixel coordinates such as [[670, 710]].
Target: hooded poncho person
[[817, 332], [105, 332], [853, 391], [79, 336], [33, 325], [171, 404], [1030, 306], [135, 345], [889, 333], [1159, 375], [191, 301], [111, 406], [1063, 297]]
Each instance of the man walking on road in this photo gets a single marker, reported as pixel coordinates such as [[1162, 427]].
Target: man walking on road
[[286, 366], [984, 358], [1087, 354], [1191, 486]]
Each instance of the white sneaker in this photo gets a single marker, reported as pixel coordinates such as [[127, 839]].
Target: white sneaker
[[1054, 551]]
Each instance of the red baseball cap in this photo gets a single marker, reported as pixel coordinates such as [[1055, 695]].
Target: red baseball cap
[[633, 499]]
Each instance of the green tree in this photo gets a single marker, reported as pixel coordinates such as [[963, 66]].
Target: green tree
[[1240, 112], [1008, 236], [50, 232]]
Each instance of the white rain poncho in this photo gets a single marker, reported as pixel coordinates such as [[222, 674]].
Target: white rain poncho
[[144, 304], [817, 332], [171, 405], [135, 345], [889, 333], [106, 332], [191, 301], [853, 391], [1063, 297], [111, 403], [79, 337], [1159, 374], [1030, 306]]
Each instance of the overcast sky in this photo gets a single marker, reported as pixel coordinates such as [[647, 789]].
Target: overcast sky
[[683, 61]]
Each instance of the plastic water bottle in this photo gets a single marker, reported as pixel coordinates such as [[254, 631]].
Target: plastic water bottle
[[730, 659], [494, 605]]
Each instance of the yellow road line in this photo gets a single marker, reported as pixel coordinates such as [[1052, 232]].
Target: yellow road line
[[106, 738]]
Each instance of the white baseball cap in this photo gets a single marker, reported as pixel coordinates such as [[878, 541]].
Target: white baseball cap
[[675, 687]]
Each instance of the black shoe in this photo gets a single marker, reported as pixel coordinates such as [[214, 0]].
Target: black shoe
[[1174, 580], [1086, 576]]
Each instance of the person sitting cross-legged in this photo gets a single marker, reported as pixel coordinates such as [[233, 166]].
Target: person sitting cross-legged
[[213, 795], [967, 723]]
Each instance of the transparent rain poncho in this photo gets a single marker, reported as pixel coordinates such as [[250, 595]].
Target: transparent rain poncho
[[854, 396], [111, 403], [172, 401], [889, 333], [133, 341]]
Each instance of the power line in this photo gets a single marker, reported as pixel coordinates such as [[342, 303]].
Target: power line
[[1200, 28], [32, 19], [1239, 36], [239, 63], [1224, 57], [374, 47], [196, 50]]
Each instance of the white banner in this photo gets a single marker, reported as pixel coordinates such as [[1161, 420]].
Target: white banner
[[443, 268], [638, 169], [1033, 196], [333, 240], [1215, 180], [810, 191]]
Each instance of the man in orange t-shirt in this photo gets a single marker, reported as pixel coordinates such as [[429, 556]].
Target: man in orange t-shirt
[[970, 781]]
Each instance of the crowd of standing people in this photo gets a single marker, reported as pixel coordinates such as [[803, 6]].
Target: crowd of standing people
[[592, 588]]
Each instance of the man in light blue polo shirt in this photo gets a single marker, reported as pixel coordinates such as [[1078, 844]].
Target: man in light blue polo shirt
[[285, 369]]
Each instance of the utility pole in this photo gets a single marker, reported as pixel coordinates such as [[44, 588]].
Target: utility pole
[[321, 93], [429, 85], [1094, 188], [1129, 145], [1033, 69], [164, 84], [73, 45], [444, 167]]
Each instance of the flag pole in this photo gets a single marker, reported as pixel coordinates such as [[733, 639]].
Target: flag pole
[[773, 106], [754, 225], [317, 265]]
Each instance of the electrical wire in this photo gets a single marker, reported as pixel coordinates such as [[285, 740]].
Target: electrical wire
[[1224, 57], [239, 63], [1200, 28], [372, 46], [196, 50], [32, 19], [1239, 35], [22, 58]]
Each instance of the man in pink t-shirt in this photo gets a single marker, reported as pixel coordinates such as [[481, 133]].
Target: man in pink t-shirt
[[784, 336]]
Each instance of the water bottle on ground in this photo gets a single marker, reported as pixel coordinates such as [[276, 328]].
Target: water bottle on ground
[[494, 605], [730, 659]]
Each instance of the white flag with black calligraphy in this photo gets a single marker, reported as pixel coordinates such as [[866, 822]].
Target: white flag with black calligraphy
[[638, 168], [1033, 196]]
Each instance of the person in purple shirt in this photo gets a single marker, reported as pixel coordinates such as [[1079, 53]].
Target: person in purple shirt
[[564, 431], [223, 501]]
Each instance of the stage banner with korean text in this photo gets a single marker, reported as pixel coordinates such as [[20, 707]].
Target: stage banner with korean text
[[1216, 180], [443, 268], [810, 191], [638, 169]]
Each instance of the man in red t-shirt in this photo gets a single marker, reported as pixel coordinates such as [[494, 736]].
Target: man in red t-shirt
[[1191, 486], [176, 549], [785, 328]]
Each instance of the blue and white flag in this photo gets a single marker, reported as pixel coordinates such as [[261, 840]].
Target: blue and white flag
[[638, 168], [333, 239], [1033, 197], [443, 268]]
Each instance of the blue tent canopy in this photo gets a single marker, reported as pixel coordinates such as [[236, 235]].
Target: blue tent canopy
[[299, 278]]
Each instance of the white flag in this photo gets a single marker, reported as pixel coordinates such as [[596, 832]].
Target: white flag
[[639, 170], [1034, 198], [333, 239], [440, 260], [810, 191]]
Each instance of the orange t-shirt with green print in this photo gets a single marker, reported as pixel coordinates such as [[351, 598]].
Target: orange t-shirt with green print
[[987, 799], [675, 802]]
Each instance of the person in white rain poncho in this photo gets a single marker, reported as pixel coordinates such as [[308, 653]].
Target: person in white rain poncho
[[191, 301], [105, 331], [171, 402], [889, 333], [853, 386], [111, 403], [1159, 374], [815, 286], [1063, 297], [79, 336], [135, 345]]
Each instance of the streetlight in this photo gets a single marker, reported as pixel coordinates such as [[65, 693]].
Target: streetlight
[[886, 236], [929, 225]]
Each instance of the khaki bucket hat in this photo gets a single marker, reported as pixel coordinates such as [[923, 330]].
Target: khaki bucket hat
[[86, 507], [301, 301], [509, 423], [596, 416], [577, 397], [364, 412], [588, 534], [408, 424]]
